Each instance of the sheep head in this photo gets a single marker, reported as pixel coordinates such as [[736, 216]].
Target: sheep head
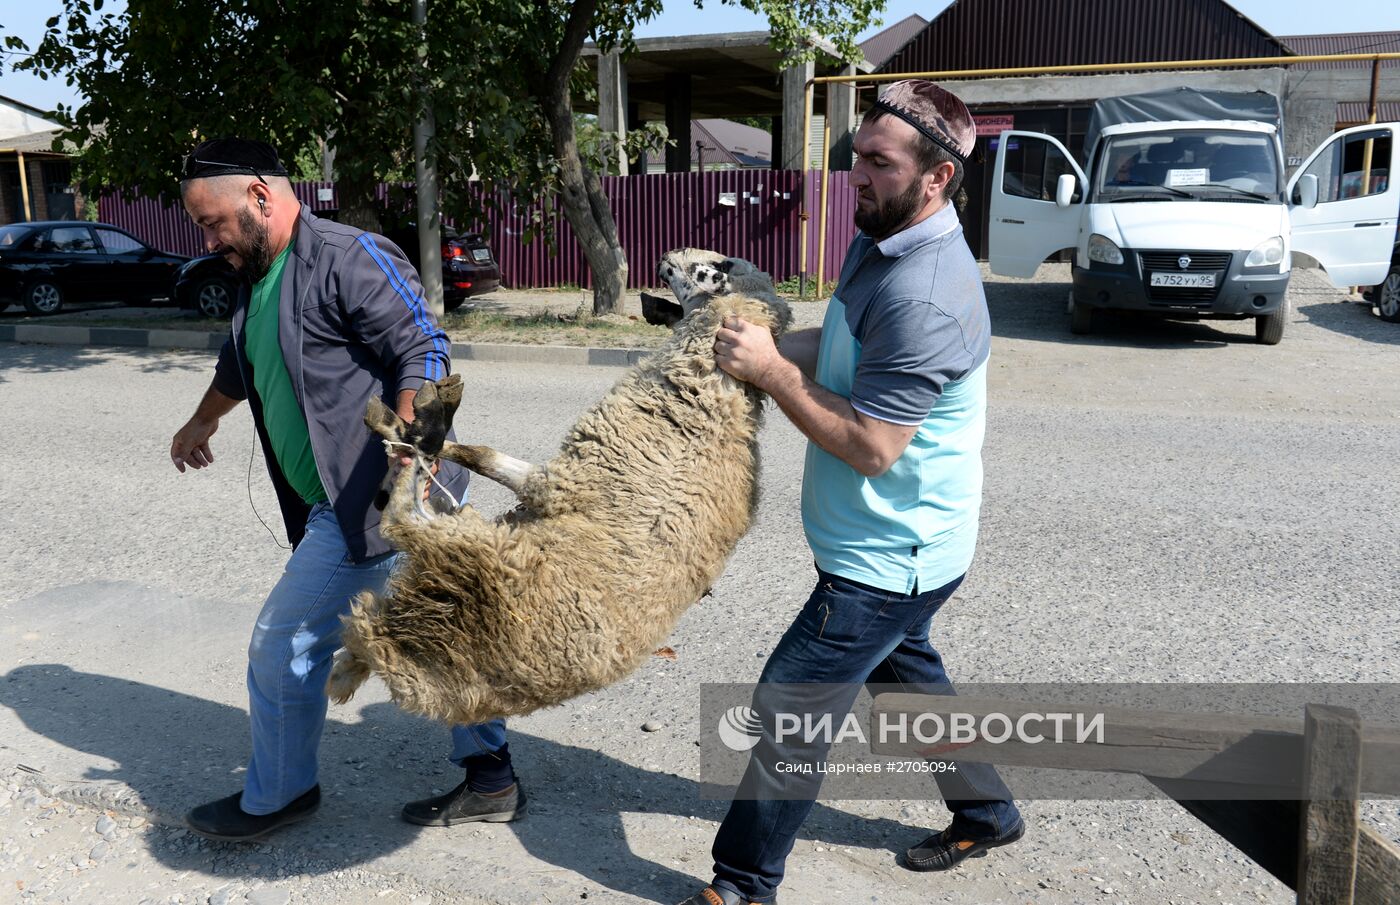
[[696, 275]]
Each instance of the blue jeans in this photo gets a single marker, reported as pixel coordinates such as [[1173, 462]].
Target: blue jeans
[[289, 660], [847, 634]]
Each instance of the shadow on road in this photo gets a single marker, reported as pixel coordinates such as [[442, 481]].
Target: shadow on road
[[1037, 311], [32, 358], [1352, 319], [175, 750]]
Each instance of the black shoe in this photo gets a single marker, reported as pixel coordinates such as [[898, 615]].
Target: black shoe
[[226, 821], [710, 895], [462, 805], [943, 851]]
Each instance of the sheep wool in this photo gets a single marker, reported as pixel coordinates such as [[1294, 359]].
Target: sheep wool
[[613, 539]]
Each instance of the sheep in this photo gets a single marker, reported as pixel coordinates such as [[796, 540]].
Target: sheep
[[611, 541]]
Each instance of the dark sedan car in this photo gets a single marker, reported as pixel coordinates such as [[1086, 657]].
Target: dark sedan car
[[208, 284], [467, 265], [46, 264]]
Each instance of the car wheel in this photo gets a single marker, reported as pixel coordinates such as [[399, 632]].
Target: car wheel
[[214, 298], [1081, 319], [453, 304], [1388, 297], [1268, 330], [43, 297]]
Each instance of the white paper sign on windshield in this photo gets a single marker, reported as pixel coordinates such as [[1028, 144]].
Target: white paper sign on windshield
[[1187, 177]]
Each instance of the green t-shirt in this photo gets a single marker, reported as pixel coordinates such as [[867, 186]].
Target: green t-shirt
[[282, 416]]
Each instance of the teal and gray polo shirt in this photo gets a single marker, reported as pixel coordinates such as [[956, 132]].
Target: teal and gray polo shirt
[[906, 340]]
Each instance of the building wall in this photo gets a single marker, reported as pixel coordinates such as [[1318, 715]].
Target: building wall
[[11, 195], [15, 121], [1310, 103]]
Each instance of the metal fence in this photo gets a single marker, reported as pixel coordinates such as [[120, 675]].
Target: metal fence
[[751, 214]]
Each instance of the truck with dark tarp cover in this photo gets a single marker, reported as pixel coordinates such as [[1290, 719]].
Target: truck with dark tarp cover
[[1179, 205]]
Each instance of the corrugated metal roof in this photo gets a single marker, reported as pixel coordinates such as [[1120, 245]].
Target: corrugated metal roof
[[726, 142], [987, 34], [884, 44], [32, 143], [1355, 42], [1356, 112], [738, 138]]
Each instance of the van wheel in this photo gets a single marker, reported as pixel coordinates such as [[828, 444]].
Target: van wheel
[[1388, 296], [1081, 319], [43, 297], [1268, 330]]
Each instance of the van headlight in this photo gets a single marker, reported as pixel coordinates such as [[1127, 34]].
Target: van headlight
[[1266, 254], [1102, 249]]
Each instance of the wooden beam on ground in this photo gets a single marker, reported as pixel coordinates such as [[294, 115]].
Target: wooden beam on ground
[[1331, 814], [1265, 753], [1377, 869]]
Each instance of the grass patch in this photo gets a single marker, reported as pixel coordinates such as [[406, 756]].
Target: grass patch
[[788, 289], [550, 329], [538, 327]]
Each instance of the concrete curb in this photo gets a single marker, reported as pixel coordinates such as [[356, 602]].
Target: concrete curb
[[64, 334]]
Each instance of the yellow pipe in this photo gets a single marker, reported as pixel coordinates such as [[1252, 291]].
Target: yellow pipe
[[1108, 67], [821, 221], [24, 187], [803, 214], [1367, 148]]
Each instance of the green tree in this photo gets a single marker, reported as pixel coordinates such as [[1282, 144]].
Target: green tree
[[499, 78]]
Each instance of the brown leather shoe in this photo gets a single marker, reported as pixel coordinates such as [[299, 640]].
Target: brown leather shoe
[[712, 896]]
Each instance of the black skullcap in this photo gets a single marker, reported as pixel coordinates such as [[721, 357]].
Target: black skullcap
[[937, 113], [233, 156]]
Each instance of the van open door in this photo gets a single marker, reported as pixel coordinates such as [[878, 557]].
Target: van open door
[[1027, 223], [1350, 226]]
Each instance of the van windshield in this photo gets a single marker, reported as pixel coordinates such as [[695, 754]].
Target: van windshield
[[1188, 166]]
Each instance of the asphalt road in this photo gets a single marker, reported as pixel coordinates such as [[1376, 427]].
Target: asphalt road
[[1164, 503]]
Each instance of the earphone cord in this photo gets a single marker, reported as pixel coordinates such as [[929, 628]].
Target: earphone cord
[[251, 449]]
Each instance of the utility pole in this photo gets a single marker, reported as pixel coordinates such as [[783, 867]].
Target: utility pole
[[429, 224]]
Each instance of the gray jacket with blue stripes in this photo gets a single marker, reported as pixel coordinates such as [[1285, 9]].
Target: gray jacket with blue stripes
[[352, 322]]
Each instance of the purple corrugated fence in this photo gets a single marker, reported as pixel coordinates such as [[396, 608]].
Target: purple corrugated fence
[[751, 214]]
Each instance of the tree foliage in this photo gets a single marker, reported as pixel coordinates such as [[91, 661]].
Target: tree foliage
[[498, 76]]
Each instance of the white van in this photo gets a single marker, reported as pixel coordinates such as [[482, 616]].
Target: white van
[[1191, 218]]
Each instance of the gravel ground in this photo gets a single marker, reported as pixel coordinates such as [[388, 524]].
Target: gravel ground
[[1165, 503]]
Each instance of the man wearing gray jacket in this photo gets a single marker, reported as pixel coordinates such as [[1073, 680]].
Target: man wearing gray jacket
[[328, 317]]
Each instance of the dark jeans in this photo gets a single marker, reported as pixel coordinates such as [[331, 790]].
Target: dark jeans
[[847, 634]]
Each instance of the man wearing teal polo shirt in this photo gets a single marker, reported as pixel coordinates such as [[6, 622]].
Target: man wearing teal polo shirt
[[891, 393]]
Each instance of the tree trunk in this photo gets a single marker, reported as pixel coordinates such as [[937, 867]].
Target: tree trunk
[[585, 205], [358, 206]]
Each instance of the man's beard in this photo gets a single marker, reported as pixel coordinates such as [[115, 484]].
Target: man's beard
[[890, 217], [257, 251]]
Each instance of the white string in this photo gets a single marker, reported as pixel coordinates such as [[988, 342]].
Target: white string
[[419, 461]]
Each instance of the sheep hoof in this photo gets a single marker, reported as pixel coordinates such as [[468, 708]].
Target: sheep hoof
[[347, 675], [433, 409]]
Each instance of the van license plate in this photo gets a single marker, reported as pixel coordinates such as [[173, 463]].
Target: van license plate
[[1192, 280]]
